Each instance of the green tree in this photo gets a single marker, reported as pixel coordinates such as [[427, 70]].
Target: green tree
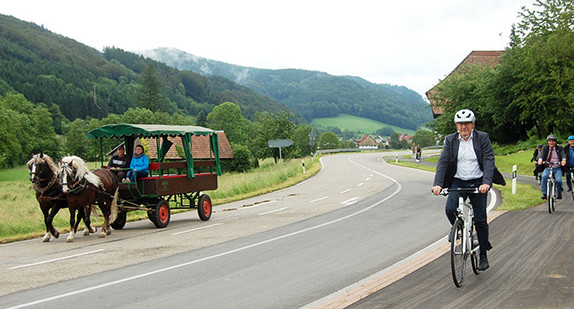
[[201, 119], [424, 137], [329, 140], [150, 94], [394, 142], [228, 117]]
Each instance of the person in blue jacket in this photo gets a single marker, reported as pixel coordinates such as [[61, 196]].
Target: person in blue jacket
[[139, 165]]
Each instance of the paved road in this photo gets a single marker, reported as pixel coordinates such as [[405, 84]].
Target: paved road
[[531, 267], [283, 250]]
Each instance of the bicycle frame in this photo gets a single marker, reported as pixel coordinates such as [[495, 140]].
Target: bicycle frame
[[464, 214], [551, 186]]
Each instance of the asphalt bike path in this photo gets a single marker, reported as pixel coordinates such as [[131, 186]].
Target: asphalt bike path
[[530, 267]]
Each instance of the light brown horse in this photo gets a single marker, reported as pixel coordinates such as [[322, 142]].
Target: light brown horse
[[83, 188], [43, 175]]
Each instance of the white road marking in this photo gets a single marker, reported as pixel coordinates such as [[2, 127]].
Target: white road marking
[[58, 259], [319, 199], [272, 211], [350, 201], [345, 191], [362, 183], [197, 229]]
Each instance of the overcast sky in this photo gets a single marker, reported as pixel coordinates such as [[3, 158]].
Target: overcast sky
[[409, 43]]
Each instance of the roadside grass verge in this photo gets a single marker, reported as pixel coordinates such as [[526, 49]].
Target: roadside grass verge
[[21, 218]]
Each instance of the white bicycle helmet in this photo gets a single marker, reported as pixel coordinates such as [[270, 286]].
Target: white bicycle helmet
[[551, 137], [464, 115]]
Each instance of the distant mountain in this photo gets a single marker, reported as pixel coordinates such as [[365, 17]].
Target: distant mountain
[[312, 94], [51, 69]]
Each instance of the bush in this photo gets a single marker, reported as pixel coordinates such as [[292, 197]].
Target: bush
[[243, 158]]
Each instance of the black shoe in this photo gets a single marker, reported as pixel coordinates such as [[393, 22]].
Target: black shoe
[[483, 263], [569, 190], [543, 196], [559, 195]]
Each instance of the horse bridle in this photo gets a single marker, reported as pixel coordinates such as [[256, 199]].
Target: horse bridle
[[77, 186], [34, 178]]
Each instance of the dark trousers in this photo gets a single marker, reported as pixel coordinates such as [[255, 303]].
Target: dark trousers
[[478, 202], [131, 175]]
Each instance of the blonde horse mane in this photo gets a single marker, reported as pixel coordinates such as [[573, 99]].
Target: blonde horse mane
[[82, 170], [43, 158]]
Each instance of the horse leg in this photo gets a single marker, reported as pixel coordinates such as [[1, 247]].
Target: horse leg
[[46, 213], [106, 230], [73, 225], [49, 222], [86, 212]]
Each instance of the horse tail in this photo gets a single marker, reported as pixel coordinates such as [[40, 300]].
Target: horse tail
[[94, 210], [114, 207]]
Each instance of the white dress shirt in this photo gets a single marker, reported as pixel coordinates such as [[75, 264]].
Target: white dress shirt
[[467, 165]]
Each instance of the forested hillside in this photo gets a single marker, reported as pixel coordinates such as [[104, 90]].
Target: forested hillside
[[314, 94], [76, 81]]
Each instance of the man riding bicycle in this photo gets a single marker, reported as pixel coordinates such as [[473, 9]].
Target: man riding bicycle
[[552, 153], [569, 152], [467, 160]]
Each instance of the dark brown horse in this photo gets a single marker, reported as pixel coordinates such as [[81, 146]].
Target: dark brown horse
[[84, 188], [43, 175]]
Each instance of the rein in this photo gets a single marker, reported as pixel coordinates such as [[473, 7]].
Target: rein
[[47, 187], [78, 186]]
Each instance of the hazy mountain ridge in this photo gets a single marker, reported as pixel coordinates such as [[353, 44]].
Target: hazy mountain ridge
[[312, 94], [51, 69]]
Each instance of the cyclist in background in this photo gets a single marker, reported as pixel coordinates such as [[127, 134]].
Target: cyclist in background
[[569, 152], [535, 160], [552, 153], [467, 160]]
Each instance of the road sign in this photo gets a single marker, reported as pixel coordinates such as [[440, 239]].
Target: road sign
[[312, 138], [278, 143]]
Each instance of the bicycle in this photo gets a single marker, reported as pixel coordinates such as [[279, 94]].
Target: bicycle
[[551, 189], [571, 171], [461, 237]]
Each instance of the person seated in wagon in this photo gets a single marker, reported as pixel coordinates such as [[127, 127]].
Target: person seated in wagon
[[119, 163], [139, 165]]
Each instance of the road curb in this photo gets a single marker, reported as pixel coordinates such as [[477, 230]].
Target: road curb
[[354, 293]]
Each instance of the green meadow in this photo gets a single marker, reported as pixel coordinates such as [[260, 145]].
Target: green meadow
[[356, 124]]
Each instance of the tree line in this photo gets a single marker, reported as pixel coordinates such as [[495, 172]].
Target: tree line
[[530, 93]]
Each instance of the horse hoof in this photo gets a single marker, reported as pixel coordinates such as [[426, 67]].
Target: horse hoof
[[102, 235], [46, 238], [70, 240], [108, 232], [86, 233], [56, 235]]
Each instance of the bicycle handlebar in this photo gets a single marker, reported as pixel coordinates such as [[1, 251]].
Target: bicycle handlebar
[[550, 163], [445, 191]]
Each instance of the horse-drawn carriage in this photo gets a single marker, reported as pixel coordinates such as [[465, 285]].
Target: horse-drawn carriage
[[180, 182]]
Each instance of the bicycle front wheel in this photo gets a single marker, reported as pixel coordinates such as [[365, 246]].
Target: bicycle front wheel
[[457, 255]]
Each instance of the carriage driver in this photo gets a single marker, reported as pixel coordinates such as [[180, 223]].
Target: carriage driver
[[119, 163]]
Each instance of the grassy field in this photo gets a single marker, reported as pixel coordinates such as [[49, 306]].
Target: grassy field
[[21, 218], [356, 124]]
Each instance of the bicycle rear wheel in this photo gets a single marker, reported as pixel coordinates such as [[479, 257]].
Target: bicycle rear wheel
[[551, 198], [457, 256]]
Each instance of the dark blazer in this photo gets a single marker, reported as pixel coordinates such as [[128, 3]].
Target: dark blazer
[[446, 167], [567, 155], [544, 155]]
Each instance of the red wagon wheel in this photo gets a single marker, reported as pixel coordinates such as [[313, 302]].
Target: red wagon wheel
[[204, 207]]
